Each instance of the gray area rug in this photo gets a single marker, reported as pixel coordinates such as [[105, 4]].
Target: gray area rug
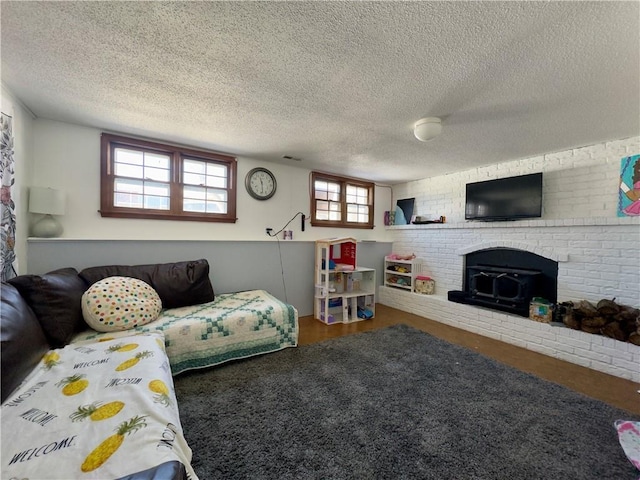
[[394, 403]]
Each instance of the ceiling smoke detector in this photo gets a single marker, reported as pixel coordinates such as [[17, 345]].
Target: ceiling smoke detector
[[427, 129]]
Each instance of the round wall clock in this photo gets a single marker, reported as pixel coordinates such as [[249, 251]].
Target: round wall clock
[[260, 183]]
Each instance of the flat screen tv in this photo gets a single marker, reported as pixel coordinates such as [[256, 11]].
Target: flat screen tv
[[511, 198]]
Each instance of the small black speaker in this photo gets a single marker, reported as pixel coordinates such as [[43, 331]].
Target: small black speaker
[[303, 217]]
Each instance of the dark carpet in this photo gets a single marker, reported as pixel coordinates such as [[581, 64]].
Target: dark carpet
[[394, 403]]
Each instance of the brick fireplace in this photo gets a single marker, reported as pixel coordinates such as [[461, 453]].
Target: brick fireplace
[[588, 268], [596, 251]]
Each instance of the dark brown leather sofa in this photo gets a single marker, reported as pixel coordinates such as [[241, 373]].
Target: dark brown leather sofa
[[40, 312]]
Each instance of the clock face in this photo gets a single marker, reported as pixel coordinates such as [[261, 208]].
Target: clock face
[[261, 183]]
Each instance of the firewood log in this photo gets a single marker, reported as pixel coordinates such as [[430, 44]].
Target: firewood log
[[607, 307], [595, 322], [571, 321], [587, 329], [635, 338], [627, 313], [585, 309], [613, 330]]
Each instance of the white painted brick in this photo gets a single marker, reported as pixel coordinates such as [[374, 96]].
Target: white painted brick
[[613, 370], [559, 347], [540, 348], [614, 353], [572, 358], [577, 344], [627, 365]]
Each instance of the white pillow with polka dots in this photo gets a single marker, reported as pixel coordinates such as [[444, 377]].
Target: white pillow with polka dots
[[120, 303]]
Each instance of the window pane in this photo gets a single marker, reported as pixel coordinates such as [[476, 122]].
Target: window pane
[[130, 186], [127, 200], [197, 193], [161, 175], [216, 170], [156, 160], [334, 207], [205, 200], [192, 205], [216, 195], [156, 203], [322, 195], [194, 166], [335, 216], [333, 187], [219, 182], [159, 189], [334, 196], [194, 179], [216, 207], [358, 195], [127, 170], [358, 213], [204, 173], [133, 157]]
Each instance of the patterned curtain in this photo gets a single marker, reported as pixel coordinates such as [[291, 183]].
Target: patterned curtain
[[8, 214]]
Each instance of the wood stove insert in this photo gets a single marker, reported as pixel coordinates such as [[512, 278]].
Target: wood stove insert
[[507, 279]]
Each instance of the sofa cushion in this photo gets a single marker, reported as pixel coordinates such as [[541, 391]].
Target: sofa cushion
[[179, 284], [120, 303], [55, 299], [22, 341]]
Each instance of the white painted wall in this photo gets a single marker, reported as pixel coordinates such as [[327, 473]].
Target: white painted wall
[[598, 252], [23, 121], [67, 157]]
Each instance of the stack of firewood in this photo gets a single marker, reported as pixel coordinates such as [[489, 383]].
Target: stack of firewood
[[607, 318]]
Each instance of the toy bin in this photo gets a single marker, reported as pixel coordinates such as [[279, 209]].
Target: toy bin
[[541, 310], [425, 285]]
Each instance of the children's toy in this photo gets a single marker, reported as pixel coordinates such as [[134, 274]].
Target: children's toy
[[364, 313], [425, 285]]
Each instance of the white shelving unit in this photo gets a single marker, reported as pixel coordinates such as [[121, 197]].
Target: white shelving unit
[[402, 273], [344, 292]]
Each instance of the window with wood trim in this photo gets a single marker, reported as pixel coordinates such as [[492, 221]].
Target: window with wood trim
[[143, 179], [341, 201]]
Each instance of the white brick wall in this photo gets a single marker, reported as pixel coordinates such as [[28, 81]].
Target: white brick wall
[[577, 184], [593, 351], [598, 253]]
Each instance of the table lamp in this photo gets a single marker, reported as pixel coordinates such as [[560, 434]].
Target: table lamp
[[47, 201]]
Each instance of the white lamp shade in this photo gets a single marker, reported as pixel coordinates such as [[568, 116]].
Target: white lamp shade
[[427, 129], [46, 200]]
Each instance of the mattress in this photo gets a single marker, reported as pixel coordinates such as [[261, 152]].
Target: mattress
[[233, 326]]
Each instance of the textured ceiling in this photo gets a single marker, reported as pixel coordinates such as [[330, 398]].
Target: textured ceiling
[[336, 84]]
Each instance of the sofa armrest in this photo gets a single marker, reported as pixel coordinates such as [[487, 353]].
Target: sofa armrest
[[23, 342]]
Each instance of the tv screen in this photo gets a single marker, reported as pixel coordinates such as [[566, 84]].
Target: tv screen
[[509, 198]]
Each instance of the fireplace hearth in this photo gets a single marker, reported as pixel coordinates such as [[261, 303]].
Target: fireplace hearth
[[507, 279]]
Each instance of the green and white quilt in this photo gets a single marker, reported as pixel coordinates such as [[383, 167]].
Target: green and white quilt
[[233, 326]]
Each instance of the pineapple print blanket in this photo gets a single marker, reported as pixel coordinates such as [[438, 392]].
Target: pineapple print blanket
[[96, 410], [233, 326]]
